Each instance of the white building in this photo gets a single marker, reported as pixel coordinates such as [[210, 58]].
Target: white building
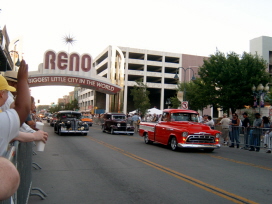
[[124, 65]]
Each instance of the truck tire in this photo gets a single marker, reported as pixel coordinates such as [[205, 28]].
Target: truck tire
[[146, 140], [112, 131], [173, 144]]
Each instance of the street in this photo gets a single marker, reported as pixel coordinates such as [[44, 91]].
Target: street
[[104, 168]]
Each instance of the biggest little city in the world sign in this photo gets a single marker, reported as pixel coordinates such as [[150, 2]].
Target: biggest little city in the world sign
[[70, 70]]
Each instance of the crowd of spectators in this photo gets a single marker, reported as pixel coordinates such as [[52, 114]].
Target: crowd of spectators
[[16, 107]]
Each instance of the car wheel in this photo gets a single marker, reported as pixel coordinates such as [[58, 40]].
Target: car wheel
[[173, 144], [208, 150], [112, 131], [131, 134], [146, 140], [103, 128], [59, 132]]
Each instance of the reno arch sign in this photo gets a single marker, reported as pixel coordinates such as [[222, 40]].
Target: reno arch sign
[[70, 70]]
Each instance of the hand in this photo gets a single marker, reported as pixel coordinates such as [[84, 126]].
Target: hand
[[23, 71], [41, 136]]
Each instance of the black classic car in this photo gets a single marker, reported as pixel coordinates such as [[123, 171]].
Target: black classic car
[[117, 123], [69, 122]]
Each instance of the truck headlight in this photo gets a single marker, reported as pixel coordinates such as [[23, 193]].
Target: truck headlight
[[184, 134], [118, 124], [217, 135]]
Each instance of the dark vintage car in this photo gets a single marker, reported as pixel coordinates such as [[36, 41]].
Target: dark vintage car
[[117, 123], [69, 122]]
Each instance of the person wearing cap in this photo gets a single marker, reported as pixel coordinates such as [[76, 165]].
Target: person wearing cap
[[246, 125], [255, 133], [12, 119], [225, 128], [26, 133]]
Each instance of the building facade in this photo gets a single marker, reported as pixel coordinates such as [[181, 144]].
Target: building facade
[[124, 66], [262, 46]]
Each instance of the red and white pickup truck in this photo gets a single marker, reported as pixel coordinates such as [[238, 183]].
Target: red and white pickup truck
[[180, 129]]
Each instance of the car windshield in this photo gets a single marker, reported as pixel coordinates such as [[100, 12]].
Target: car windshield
[[184, 117], [70, 115], [118, 117]]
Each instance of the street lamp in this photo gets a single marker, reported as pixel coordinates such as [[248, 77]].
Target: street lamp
[[260, 92], [168, 102], [177, 77]]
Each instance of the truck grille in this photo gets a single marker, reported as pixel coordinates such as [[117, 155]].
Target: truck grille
[[200, 139]]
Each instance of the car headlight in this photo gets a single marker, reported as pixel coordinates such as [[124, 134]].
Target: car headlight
[[118, 124], [184, 134], [217, 135]]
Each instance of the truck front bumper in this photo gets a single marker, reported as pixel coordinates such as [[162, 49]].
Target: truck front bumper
[[199, 146]]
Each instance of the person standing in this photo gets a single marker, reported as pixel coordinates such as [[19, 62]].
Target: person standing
[[210, 122], [135, 119], [246, 125], [225, 122], [235, 130], [255, 133]]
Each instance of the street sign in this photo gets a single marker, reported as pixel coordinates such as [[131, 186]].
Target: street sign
[[184, 105]]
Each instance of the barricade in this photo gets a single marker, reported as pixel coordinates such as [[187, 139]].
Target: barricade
[[20, 154], [246, 137], [259, 137]]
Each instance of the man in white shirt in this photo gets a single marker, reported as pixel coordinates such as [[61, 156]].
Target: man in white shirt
[[225, 127], [12, 119]]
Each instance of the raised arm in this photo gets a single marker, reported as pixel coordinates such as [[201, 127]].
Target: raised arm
[[22, 102]]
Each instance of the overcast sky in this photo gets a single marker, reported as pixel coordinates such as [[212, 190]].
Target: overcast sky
[[182, 26]]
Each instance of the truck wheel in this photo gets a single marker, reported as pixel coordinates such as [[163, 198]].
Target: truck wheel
[[112, 131], [103, 128], [173, 144], [146, 140], [59, 132]]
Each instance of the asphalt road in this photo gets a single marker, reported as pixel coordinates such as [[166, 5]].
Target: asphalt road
[[121, 169]]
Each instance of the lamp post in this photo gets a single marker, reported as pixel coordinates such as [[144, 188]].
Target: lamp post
[[177, 77], [260, 92], [168, 102]]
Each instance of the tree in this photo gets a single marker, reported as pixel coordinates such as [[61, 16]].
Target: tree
[[227, 79], [140, 97], [195, 94]]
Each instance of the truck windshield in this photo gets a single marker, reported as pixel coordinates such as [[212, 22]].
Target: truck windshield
[[118, 117], [184, 117]]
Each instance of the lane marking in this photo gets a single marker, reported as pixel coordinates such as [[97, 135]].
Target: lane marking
[[240, 162], [212, 189], [227, 159]]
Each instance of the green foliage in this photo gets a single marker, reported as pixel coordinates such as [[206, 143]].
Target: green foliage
[[73, 105], [175, 102], [140, 97], [227, 79], [195, 94]]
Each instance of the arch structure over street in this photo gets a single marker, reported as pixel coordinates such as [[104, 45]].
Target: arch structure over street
[[70, 70]]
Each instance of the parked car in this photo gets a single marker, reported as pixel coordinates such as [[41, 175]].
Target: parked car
[[87, 119], [53, 120], [69, 122], [179, 128], [117, 123]]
